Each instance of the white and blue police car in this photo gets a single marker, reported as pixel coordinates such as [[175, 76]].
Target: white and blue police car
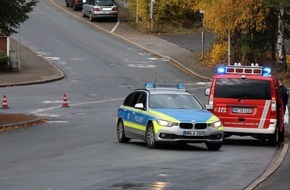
[[167, 113]]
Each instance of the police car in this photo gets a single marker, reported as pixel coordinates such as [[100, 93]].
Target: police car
[[248, 101], [167, 113]]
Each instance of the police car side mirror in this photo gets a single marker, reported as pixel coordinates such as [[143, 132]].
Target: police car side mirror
[[207, 91], [139, 106]]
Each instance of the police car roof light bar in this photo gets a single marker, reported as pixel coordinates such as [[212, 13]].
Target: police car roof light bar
[[164, 85]]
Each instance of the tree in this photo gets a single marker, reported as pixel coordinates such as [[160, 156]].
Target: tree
[[280, 8], [244, 19], [12, 13], [166, 12]]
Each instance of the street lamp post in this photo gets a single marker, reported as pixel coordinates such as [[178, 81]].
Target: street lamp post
[[151, 12], [202, 33], [229, 46]]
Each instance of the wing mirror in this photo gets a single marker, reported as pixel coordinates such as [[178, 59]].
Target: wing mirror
[[207, 91], [139, 106]]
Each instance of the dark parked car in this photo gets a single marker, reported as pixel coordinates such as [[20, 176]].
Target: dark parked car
[[75, 4]]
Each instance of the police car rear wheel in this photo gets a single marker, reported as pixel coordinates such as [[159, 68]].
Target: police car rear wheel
[[150, 136], [121, 133], [213, 146]]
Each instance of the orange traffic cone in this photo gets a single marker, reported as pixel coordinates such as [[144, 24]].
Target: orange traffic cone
[[65, 102], [4, 104]]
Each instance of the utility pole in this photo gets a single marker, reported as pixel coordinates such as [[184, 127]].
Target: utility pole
[[202, 33], [137, 11], [151, 12], [229, 46]]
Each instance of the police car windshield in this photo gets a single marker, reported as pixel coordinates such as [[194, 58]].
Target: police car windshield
[[174, 101], [243, 88]]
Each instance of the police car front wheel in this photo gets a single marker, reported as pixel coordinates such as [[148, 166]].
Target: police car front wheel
[[213, 146], [150, 136]]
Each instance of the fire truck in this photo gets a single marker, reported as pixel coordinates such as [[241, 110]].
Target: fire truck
[[248, 101]]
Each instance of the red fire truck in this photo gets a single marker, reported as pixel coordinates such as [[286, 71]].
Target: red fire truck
[[248, 101]]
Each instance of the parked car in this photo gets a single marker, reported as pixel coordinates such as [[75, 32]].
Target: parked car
[[75, 4], [100, 9], [162, 113]]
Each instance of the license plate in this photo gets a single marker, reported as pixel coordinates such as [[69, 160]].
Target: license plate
[[106, 9], [242, 110], [193, 133]]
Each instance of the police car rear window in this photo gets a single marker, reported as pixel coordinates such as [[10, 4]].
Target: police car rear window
[[243, 88]]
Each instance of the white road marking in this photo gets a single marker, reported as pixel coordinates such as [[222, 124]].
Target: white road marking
[[57, 121], [51, 102], [141, 65], [78, 104], [52, 58], [157, 59], [115, 27]]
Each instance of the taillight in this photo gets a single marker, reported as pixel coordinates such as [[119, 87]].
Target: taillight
[[76, 1], [273, 106], [115, 9], [210, 103], [96, 9]]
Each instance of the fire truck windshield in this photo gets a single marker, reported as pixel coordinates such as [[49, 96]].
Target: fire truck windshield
[[242, 88]]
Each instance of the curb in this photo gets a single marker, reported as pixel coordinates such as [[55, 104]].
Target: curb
[[22, 123], [271, 168]]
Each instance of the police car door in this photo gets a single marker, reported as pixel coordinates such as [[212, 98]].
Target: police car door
[[137, 115]]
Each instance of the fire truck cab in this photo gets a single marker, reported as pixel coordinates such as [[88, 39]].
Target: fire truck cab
[[248, 101]]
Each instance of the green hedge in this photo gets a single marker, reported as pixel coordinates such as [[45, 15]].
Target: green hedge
[[3, 62]]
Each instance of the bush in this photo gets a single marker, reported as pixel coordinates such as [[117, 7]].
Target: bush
[[172, 13], [3, 62]]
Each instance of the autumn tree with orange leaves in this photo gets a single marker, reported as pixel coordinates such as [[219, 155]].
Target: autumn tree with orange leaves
[[242, 20], [257, 30]]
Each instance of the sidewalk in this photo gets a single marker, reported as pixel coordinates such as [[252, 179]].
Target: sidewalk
[[33, 69]]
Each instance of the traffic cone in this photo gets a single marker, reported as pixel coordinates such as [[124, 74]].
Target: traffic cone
[[4, 104], [65, 102]]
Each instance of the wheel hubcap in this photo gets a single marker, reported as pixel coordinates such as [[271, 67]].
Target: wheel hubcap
[[150, 136], [120, 130]]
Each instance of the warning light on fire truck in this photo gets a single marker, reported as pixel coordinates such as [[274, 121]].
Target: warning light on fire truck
[[239, 69]]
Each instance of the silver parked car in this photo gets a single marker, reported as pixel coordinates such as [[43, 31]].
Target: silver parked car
[[100, 9]]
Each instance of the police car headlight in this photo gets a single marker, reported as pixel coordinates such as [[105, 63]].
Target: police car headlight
[[216, 124], [166, 123]]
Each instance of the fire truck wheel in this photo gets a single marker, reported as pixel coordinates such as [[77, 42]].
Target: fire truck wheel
[[213, 146], [273, 139], [281, 135]]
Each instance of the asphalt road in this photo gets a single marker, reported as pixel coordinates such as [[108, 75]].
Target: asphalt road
[[78, 149]]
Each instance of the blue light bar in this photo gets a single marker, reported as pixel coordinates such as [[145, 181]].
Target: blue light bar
[[150, 85], [180, 86], [266, 71], [221, 70]]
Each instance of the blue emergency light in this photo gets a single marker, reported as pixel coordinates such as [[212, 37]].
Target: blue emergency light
[[266, 71], [150, 85], [221, 69]]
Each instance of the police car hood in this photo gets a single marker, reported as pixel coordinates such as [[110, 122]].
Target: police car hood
[[183, 115]]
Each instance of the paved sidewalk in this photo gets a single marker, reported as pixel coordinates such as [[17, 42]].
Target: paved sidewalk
[[33, 69]]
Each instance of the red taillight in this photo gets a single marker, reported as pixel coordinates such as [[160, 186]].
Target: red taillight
[[96, 9], [76, 1], [273, 106], [115, 9]]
